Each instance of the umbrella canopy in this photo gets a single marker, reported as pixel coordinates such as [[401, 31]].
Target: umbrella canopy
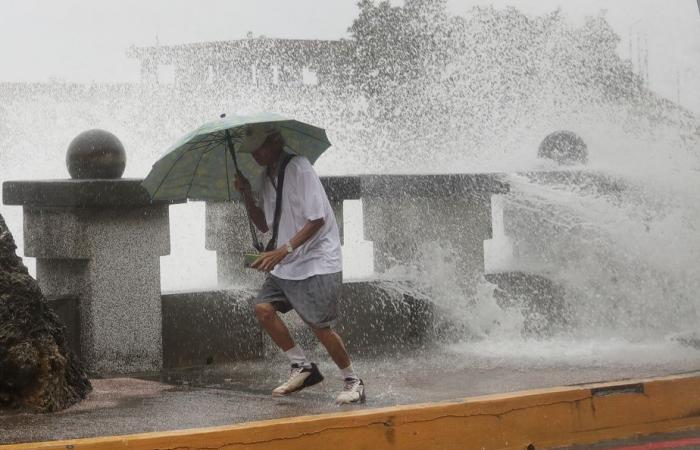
[[201, 166]]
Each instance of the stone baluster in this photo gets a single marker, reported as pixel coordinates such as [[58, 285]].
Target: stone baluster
[[227, 233], [425, 221], [100, 240]]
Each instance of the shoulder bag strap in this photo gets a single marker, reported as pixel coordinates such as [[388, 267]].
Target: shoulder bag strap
[[278, 203]]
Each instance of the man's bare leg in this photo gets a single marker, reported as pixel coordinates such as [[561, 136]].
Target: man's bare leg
[[303, 373], [354, 388], [274, 326], [334, 345]]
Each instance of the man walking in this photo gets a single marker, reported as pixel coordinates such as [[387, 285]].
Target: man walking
[[304, 270]]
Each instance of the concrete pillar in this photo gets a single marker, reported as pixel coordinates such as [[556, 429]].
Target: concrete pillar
[[339, 189], [100, 240], [337, 206], [227, 233], [498, 251], [423, 221], [541, 241]]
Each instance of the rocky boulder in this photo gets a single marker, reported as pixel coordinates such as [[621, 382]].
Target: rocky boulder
[[37, 370]]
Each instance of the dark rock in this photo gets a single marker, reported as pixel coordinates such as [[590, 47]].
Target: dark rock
[[37, 370]]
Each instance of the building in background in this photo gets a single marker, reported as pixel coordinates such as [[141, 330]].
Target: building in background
[[256, 61]]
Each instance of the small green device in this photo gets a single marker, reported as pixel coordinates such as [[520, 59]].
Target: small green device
[[249, 258]]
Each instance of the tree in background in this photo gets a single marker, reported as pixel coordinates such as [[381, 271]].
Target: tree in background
[[440, 86]]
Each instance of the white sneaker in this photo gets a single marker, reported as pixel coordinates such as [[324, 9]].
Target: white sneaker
[[299, 378], [353, 392]]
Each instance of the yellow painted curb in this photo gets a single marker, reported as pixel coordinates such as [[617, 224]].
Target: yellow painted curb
[[543, 418]]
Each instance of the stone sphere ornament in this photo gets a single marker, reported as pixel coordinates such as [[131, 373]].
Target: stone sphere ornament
[[564, 147], [96, 154]]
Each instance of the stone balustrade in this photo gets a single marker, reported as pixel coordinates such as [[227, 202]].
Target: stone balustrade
[[100, 241], [413, 219]]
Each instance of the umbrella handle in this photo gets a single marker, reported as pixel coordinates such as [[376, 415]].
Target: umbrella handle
[[256, 242], [229, 144]]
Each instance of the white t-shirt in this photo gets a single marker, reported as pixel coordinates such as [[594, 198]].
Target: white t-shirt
[[303, 199]]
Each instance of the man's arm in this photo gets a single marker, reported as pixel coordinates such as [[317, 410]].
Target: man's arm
[[306, 232], [268, 260]]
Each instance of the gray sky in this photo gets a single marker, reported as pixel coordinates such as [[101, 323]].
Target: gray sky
[[83, 40]]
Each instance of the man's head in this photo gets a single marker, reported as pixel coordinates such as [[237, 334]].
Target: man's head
[[264, 142]]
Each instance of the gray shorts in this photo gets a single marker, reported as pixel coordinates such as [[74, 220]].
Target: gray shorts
[[315, 299]]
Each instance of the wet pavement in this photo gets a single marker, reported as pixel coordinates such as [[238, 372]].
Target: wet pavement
[[230, 394]]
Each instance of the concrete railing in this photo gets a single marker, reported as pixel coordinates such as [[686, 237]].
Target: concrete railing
[[99, 241], [401, 212]]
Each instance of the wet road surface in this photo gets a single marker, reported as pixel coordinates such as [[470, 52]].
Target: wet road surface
[[230, 394]]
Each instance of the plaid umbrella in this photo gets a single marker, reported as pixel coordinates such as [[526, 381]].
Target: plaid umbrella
[[202, 164]]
